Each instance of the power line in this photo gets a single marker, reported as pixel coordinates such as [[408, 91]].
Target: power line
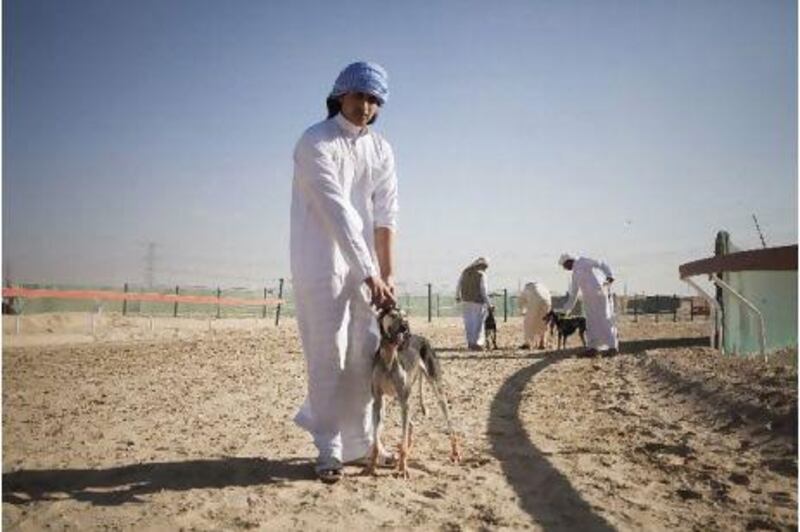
[[760, 234]]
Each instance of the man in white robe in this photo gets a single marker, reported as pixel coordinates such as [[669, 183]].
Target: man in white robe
[[591, 277], [534, 302], [343, 217], [473, 294]]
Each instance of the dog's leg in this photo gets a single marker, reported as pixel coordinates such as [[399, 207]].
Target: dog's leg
[[455, 449], [422, 399], [421, 391], [583, 338], [377, 425], [402, 466]]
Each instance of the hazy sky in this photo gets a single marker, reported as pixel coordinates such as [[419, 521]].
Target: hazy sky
[[626, 130]]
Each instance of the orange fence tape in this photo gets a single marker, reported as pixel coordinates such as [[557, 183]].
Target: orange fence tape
[[104, 295]]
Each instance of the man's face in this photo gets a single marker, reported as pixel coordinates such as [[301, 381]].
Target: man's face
[[568, 264], [359, 108]]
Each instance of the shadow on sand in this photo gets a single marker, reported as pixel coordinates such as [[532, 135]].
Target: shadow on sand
[[637, 346], [505, 354], [120, 485], [514, 353], [545, 493]]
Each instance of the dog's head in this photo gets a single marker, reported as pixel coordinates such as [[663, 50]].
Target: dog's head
[[393, 325], [394, 329]]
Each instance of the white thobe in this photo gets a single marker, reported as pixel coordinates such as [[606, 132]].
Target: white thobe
[[344, 187], [588, 276], [475, 313], [534, 302]]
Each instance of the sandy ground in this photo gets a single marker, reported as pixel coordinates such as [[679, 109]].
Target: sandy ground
[[186, 424]]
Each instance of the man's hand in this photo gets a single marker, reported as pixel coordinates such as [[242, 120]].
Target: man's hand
[[389, 281], [382, 293]]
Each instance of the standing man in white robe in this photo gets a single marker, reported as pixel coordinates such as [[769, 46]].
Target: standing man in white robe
[[534, 302], [473, 294], [591, 277], [343, 218]]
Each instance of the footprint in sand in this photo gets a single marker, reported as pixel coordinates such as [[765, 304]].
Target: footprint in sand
[[688, 495], [739, 478]]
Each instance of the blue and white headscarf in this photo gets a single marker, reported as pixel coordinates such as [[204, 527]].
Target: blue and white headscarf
[[363, 76]]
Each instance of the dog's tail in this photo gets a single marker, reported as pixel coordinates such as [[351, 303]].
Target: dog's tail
[[428, 355]]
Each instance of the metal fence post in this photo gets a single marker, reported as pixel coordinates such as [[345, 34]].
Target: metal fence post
[[219, 295], [125, 301], [430, 303], [264, 314], [658, 309], [175, 310], [505, 304], [437, 306], [280, 296], [675, 305]]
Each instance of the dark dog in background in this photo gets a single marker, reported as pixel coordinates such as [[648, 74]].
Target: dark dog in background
[[566, 327], [490, 328]]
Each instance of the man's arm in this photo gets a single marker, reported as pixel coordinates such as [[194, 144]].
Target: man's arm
[[385, 209], [573, 295], [484, 289], [315, 173], [384, 248], [603, 267], [607, 270]]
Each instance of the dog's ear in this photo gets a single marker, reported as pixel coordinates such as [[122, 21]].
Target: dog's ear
[[382, 313], [404, 321], [385, 322]]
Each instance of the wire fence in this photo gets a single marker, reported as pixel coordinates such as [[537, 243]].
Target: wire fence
[[216, 301], [421, 300]]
